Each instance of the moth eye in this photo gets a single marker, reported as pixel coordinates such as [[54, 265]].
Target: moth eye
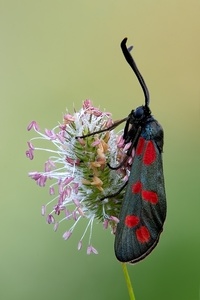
[[139, 112]]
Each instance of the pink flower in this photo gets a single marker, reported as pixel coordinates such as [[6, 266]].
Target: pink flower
[[78, 172]]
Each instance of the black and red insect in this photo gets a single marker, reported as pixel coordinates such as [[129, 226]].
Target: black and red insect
[[143, 210]]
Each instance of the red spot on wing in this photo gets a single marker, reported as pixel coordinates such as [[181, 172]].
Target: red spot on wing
[[150, 196], [131, 221], [140, 146], [143, 234], [137, 187], [149, 154]]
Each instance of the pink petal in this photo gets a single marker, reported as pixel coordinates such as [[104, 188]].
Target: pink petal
[[87, 103], [43, 210], [105, 223], [33, 125], [56, 226], [50, 219], [51, 190], [29, 154], [67, 235], [91, 249], [69, 118], [115, 219], [79, 245]]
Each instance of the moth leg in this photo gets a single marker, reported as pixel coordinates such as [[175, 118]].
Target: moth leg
[[115, 124], [129, 152], [115, 194]]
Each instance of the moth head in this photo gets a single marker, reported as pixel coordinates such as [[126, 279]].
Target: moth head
[[141, 113]]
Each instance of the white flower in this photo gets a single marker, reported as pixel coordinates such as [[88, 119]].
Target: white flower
[[81, 182]]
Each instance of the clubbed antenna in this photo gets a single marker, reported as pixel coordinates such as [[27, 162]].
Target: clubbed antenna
[[131, 62]]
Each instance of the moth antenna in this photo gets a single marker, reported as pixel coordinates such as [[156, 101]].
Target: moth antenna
[[131, 62]]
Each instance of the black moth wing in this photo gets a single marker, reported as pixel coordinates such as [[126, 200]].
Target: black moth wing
[[143, 211]]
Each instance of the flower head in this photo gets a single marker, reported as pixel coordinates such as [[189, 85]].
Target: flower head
[[81, 183]]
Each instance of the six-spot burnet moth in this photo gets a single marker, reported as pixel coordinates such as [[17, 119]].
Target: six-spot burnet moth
[[143, 209]]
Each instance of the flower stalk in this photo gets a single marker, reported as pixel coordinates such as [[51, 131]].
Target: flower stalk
[[128, 282]]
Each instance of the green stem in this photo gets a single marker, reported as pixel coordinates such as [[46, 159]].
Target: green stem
[[128, 282]]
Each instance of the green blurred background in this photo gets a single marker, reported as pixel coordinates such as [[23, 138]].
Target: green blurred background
[[55, 54]]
